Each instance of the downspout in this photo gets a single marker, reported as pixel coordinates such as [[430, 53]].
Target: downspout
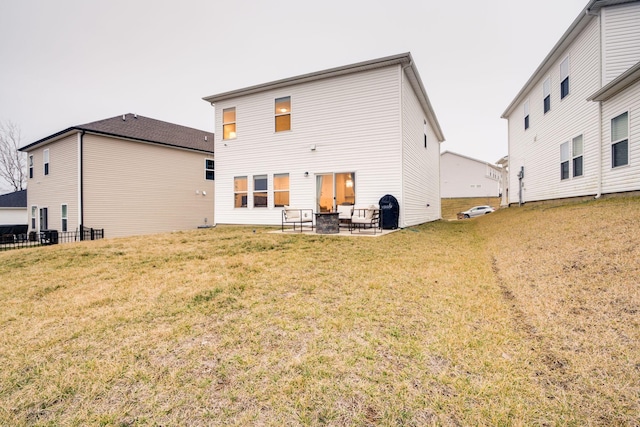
[[81, 183], [600, 139], [402, 138]]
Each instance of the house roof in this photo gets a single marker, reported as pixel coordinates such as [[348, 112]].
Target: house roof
[[588, 13], [17, 199], [469, 158], [140, 128], [404, 59], [617, 85]]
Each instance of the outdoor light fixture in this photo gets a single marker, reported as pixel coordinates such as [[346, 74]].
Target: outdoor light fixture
[[306, 174], [313, 147]]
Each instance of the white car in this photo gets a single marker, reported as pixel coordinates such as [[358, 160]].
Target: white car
[[477, 211]]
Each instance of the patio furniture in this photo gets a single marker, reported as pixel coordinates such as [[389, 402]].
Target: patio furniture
[[345, 212], [295, 216], [365, 219]]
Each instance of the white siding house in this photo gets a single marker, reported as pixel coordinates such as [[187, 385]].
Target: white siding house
[[560, 123], [463, 176], [347, 135]]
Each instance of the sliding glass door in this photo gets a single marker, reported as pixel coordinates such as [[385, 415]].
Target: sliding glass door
[[333, 189]]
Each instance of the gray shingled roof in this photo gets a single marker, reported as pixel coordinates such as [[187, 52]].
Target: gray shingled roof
[[16, 199], [140, 128]]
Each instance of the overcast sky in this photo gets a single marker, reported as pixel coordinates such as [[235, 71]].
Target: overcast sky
[[69, 62]]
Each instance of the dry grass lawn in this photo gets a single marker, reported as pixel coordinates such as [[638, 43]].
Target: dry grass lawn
[[528, 316]]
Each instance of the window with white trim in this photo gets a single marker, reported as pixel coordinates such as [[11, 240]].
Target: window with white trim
[[281, 190], [31, 166], [283, 113], [620, 140], [546, 94], [229, 123], [526, 114], [260, 191], [577, 150], [564, 160], [240, 192], [63, 215], [46, 161], [424, 130], [209, 170], [34, 213], [564, 78]]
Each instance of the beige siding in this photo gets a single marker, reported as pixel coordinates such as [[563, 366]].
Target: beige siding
[[623, 178], [620, 39], [538, 148], [59, 186], [135, 188], [420, 198], [352, 120]]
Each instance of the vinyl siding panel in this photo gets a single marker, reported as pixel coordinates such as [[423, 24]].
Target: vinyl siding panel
[[464, 177], [623, 178], [133, 188], [59, 187], [538, 148], [420, 199], [621, 39], [352, 120]]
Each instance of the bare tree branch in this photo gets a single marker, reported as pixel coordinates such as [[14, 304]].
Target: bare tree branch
[[13, 163]]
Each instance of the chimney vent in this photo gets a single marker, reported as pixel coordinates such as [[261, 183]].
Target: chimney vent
[[124, 117]]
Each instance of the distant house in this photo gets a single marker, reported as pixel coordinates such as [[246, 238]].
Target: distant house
[[127, 175], [13, 208], [574, 128], [347, 135], [462, 176]]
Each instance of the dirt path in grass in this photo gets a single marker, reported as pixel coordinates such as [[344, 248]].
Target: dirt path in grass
[[571, 277]]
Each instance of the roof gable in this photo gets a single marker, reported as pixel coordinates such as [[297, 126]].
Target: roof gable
[[144, 129]]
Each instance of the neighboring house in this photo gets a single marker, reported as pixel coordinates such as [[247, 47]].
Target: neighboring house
[[13, 208], [127, 175], [574, 128], [347, 135], [504, 180], [463, 176]]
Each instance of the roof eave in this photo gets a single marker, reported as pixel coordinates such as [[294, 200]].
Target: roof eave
[[403, 58], [617, 85], [567, 38]]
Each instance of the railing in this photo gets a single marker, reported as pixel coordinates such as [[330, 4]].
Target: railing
[[48, 237]]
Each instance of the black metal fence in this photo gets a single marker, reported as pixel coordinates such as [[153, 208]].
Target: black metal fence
[[48, 237]]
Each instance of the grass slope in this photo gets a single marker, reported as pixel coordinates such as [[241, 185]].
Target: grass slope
[[524, 317]]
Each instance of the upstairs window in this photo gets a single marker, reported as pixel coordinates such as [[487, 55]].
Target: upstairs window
[[546, 94], [564, 78], [209, 170], [31, 166], [281, 190], [229, 123], [564, 160], [526, 114], [283, 114], [260, 191], [620, 140], [577, 151], [240, 192], [46, 161], [425, 133]]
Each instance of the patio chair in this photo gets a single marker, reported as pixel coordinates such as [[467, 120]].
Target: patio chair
[[345, 212], [366, 218], [295, 216]]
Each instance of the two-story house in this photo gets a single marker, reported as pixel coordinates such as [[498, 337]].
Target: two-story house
[[574, 128], [127, 175], [463, 177], [346, 135]]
